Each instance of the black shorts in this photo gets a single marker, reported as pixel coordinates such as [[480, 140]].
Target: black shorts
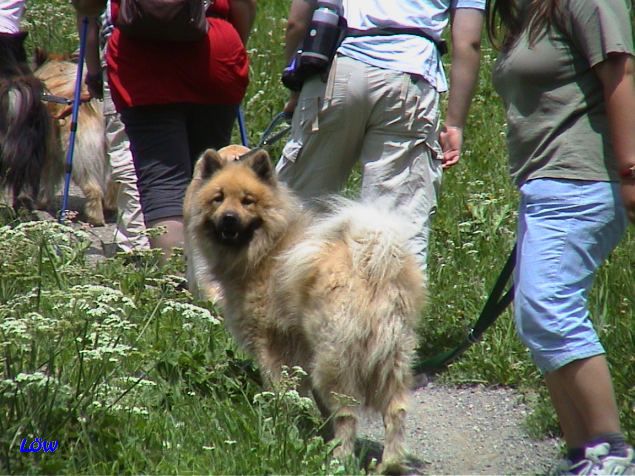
[[166, 141]]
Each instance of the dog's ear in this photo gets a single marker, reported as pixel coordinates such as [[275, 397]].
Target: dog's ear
[[259, 161], [40, 55], [208, 164]]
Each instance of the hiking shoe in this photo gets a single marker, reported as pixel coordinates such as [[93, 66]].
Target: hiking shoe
[[598, 460], [621, 463]]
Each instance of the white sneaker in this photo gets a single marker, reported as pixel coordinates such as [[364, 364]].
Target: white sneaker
[[598, 460]]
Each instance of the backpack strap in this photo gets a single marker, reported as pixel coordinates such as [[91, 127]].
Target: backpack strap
[[441, 45]]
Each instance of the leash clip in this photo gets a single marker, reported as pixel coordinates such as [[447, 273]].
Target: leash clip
[[268, 139], [471, 337], [56, 99]]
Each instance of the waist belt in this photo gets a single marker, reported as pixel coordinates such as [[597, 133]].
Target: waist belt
[[441, 45]]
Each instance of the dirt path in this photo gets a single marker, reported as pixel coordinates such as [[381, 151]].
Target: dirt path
[[450, 430], [470, 430]]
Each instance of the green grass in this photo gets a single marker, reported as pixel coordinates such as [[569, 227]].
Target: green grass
[[128, 374], [131, 375]]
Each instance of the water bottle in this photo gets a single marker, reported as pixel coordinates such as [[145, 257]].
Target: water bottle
[[319, 44], [322, 37]]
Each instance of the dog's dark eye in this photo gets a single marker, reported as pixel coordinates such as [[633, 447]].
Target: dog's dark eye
[[218, 198], [247, 200]]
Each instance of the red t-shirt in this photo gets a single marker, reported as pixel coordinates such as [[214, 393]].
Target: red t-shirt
[[211, 71]]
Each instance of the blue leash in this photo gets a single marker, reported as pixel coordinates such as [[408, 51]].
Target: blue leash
[[74, 114], [241, 126]]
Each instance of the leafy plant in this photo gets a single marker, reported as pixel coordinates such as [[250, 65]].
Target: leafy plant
[[126, 373]]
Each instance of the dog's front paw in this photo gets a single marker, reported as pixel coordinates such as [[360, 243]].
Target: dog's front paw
[[407, 466]]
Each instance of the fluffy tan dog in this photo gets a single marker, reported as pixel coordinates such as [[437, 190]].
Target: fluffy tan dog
[[91, 170], [337, 294], [202, 284]]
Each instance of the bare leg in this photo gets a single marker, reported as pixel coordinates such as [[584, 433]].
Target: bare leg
[[582, 394], [571, 421], [172, 238]]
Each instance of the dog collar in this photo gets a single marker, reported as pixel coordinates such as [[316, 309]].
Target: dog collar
[[628, 172]]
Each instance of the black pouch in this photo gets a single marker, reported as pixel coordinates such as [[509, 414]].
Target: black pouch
[[163, 20]]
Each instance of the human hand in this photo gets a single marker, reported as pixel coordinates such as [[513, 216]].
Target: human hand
[[67, 110], [291, 104], [451, 140], [89, 8], [627, 190], [95, 85]]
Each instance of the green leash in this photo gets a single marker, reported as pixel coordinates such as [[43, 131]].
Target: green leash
[[496, 303]]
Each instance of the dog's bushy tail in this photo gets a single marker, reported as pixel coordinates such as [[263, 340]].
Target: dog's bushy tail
[[376, 235], [24, 131], [378, 241]]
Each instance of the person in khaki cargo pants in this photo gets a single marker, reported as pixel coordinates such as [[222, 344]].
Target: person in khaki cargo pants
[[129, 234], [380, 106]]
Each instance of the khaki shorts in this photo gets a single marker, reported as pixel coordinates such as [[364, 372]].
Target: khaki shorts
[[384, 119]]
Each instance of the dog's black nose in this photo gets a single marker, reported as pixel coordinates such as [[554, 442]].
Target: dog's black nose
[[230, 221]]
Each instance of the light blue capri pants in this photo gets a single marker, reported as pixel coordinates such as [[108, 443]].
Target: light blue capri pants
[[566, 229]]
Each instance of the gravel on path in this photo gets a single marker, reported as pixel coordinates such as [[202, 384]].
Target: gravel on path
[[470, 430]]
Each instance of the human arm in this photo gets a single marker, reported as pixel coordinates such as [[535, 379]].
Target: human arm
[[242, 14], [617, 74], [94, 83], [94, 75], [467, 25], [298, 21], [91, 9], [93, 79]]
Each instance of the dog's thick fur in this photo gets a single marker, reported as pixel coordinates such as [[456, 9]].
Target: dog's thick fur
[[336, 294], [90, 167], [29, 146], [33, 142]]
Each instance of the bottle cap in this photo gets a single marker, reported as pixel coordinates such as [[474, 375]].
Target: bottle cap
[[331, 4]]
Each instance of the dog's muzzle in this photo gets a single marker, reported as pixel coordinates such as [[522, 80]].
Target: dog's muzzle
[[230, 226], [231, 230]]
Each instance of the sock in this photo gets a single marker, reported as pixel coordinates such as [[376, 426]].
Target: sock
[[616, 440], [575, 454]]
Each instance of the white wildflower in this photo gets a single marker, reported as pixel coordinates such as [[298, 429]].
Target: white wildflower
[[263, 397], [38, 379], [189, 312]]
